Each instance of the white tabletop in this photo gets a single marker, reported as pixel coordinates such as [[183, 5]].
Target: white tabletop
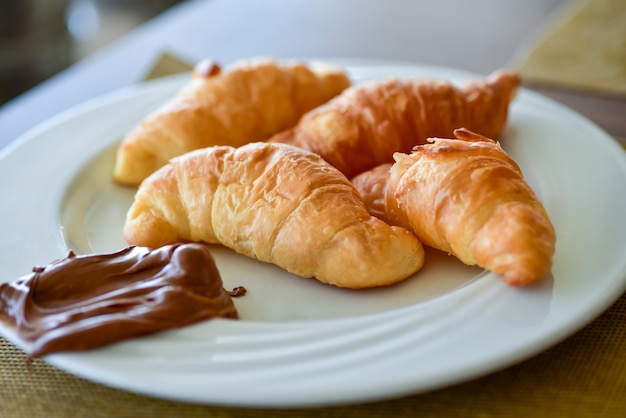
[[478, 36]]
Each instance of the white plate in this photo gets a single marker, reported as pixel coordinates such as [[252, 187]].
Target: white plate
[[301, 343]]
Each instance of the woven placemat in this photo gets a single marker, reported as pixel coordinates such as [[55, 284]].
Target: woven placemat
[[584, 376], [582, 47]]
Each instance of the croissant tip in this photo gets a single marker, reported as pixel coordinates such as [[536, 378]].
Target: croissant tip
[[468, 135], [207, 68], [506, 80], [504, 73], [518, 279]]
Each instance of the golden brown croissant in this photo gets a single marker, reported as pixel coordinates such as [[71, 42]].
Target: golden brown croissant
[[276, 203], [466, 196], [362, 127], [250, 101]]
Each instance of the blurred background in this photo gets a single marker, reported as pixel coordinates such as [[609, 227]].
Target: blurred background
[[39, 38], [578, 50]]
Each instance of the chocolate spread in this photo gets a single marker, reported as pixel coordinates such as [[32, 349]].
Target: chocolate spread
[[87, 301]]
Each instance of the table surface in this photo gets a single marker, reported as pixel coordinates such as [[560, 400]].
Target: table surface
[[477, 36]]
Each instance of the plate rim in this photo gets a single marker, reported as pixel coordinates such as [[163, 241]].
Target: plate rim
[[66, 361]]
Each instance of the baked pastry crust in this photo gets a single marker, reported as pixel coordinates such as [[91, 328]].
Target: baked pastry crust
[[467, 197], [363, 126], [278, 204], [249, 101]]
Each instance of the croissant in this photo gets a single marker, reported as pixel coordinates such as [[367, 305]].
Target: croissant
[[250, 101], [278, 204], [363, 126], [467, 197]]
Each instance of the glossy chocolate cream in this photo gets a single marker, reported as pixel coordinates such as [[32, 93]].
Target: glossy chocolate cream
[[88, 301]]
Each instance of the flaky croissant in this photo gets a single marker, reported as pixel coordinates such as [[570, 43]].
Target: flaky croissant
[[249, 101], [362, 127], [467, 197], [276, 203]]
